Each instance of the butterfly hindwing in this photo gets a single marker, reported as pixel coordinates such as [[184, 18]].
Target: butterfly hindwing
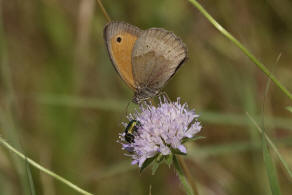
[[156, 56]]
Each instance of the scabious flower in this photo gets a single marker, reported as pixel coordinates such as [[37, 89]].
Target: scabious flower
[[161, 130]]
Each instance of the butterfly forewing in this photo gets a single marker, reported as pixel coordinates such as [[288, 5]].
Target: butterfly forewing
[[120, 38], [156, 56]]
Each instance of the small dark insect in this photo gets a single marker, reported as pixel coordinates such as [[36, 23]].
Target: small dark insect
[[131, 128]]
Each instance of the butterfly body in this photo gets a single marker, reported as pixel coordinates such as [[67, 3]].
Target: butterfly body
[[144, 59], [144, 93]]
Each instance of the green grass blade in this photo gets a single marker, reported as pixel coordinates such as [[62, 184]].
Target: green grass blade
[[43, 169], [270, 168], [260, 65], [273, 146], [30, 179]]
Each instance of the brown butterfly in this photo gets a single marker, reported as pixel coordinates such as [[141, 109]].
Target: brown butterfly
[[144, 59]]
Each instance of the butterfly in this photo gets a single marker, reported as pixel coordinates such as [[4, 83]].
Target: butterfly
[[144, 59]]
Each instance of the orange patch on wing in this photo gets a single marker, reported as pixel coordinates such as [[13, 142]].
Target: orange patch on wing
[[122, 56]]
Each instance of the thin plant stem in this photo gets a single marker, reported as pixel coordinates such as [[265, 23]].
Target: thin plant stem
[[188, 175], [182, 177], [260, 65], [103, 10], [43, 169]]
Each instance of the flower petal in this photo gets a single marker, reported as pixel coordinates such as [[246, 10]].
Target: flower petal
[[162, 128]]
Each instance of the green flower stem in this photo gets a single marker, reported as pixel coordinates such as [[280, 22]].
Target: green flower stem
[[188, 174], [240, 46], [189, 189], [41, 168]]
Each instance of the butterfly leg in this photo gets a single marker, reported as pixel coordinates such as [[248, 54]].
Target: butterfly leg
[[164, 94]]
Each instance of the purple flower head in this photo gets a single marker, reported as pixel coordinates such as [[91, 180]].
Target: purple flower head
[[161, 130]]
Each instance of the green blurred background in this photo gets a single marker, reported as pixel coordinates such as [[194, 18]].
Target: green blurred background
[[62, 103]]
